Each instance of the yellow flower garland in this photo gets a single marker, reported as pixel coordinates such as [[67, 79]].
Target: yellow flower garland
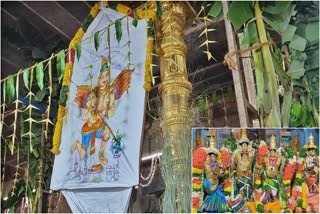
[[66, 81], [95, 10], [148, 66], [77, 38], [196, 170]]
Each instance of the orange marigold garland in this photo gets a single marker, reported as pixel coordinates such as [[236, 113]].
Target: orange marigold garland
[[198, 159]]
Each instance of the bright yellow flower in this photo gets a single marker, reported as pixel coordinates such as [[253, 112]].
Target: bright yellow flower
[[123, 9], [67, 74], [196, 170], [95, 10], [286, 182], [196, 186]]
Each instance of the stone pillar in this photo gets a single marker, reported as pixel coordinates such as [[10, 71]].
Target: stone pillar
[[175, 92]]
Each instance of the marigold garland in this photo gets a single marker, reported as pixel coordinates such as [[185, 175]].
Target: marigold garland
[[148, 66], [198, 159]]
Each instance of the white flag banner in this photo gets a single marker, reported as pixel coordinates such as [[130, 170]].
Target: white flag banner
[[101, 133]]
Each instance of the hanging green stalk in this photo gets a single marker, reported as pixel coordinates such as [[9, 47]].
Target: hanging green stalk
[[47, 119], [205, 32], [14, 124], [30, 107], [41, 166], [16, 174], [4, 164], [3, 105], [129, 44], [273, 119]]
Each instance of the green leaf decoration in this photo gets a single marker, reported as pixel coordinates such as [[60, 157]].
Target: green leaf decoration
[[118, 30], [250, 34], [202, 104], [215, 99], [216, 9], [303, 152], [135, 19], [159, 9], [276, 7], [39, 75], [10, 87], [40, 95], [150, 28], [78, 49], [230, 92], [61, 64], [239, 13], [35, 152], [26, 78], [96, 40]]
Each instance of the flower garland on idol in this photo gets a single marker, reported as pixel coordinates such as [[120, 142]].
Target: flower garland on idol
[[262, 151], [148, 13], [300, 189], [198, 159]]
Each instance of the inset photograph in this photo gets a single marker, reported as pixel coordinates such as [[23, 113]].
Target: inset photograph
[[255, 170]]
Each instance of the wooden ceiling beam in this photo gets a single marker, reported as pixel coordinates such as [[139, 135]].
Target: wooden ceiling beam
[[79, 11], [14, 57], [56, 16], [19, 11]]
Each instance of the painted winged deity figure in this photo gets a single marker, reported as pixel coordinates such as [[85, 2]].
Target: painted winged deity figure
[[99, 102]]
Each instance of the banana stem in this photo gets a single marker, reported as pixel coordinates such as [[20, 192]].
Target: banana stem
[[269, 67]]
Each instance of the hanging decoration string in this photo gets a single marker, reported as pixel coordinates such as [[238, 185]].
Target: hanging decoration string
[[78, 36], [151, 173]]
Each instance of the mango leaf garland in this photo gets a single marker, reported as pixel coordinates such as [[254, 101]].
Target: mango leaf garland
[[39, 75], [96, 40], [61, 64], [10, 87], [78, 49], [118, 30], [26, 78], [135, 19]]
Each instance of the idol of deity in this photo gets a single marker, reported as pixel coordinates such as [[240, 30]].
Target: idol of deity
[[312, 166], [271, 175], [215, 201], [242, 165], [199, 141], [295, 145]]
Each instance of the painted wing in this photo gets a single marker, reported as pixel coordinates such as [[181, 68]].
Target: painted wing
[[83, 92], [122, 83]]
